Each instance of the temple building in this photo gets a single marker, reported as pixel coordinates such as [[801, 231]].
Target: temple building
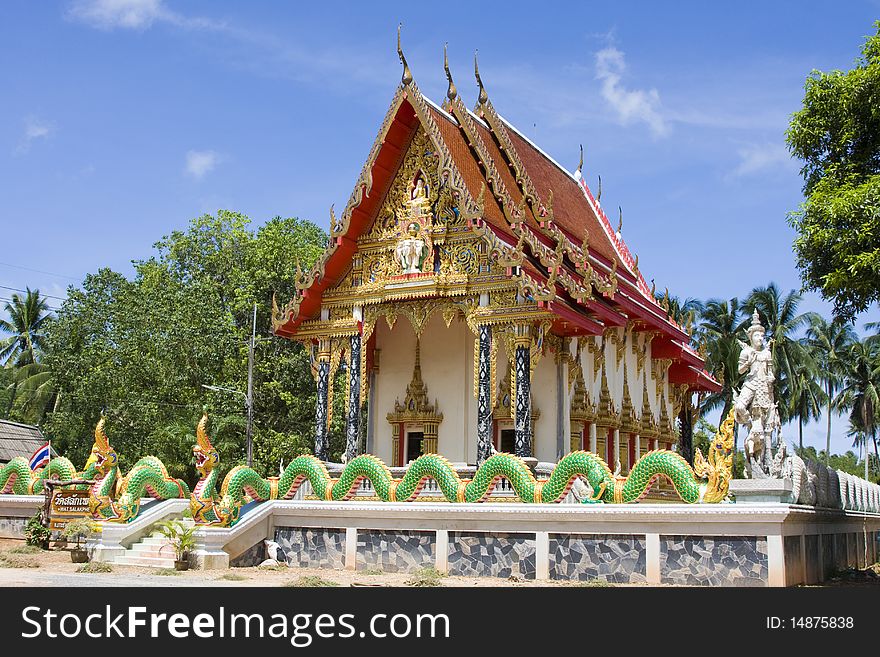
[[479, 297]]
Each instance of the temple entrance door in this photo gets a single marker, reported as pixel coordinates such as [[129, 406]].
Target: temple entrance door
[[507, 441], [413, 445]]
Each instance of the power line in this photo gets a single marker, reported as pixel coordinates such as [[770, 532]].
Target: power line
[[48, 296], [39, 271], [13, 301]]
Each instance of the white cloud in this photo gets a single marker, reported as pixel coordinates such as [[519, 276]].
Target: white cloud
[[132, 15], [34, 128], [757, 158], [201, 163], [631, 105]]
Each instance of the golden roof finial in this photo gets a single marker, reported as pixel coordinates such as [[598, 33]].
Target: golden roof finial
[[451, 91], [484, 97], [581, 162], [334, 226], [407, 77], [599, 194]]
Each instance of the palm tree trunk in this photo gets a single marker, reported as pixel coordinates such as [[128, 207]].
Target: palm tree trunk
[[828, 434], [11, 399], [801, 433]]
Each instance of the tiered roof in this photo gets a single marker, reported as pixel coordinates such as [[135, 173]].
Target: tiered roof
[[528, 205]]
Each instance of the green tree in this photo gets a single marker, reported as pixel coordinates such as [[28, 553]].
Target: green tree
[[720, 322], [829, 343], [808, 397], [141, 349], [25, 330], [860, 392], [837, 136]]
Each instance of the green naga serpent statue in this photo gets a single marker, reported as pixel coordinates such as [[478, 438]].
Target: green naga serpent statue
[[148, 478], [707, 482], [204, 496], [101, 467], [17, 478]]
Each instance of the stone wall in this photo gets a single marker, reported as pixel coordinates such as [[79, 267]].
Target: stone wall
[[480, 554], [395, 551], [312, 548], [714, 561], [12, 527], [620, 559]]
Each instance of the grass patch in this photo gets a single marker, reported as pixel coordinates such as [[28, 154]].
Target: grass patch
[[310, 581], [233, 577], [279, 566], [373, 571], [25, 549], [95, 567], [429, 576], [167, 572], [15, 561]]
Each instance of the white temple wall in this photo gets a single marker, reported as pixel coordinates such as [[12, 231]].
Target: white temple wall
[[544, 399], [447, 370]]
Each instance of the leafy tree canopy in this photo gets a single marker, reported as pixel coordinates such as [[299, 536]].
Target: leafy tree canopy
[[837, 136], [141, 349]]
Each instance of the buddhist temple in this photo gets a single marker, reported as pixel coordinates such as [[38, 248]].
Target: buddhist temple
[[479, 297]]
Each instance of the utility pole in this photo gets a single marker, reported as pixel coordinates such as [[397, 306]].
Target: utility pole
[[250, 393], [249, 397]]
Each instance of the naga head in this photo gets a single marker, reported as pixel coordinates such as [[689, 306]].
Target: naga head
[[103, 456], [718, 469], [207, 458]]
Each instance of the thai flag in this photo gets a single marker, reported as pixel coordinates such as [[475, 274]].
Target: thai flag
[[40, 458]]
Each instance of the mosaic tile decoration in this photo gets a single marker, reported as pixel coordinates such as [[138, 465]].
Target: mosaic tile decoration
[[713, 561], [611, 558], [395, 551], [253, 556], [480, 554], [309, 547]]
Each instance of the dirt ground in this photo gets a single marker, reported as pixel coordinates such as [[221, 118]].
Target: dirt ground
[[21, 567], [54, 568]]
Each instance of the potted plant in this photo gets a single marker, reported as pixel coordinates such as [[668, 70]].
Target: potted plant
[[78, 530], [36, 533], [181, 538]]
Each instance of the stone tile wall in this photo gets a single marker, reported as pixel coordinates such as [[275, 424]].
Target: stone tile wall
[[253, 556], [619, 559], [395, 551], [312, 547], [713, 561], [481, 554]]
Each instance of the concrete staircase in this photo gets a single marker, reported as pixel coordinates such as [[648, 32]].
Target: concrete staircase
[[153, 551]]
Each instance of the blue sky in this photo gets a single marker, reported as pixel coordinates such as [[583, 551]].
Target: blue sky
[[123, 119]]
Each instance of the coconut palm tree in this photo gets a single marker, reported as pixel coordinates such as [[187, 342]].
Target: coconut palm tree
[[861, 390], [685, 313], [780, 316], [829, 343], [719, 323], [808, 397], [25, 339]]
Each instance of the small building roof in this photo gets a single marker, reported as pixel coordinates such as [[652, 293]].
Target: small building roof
[[18, 440]]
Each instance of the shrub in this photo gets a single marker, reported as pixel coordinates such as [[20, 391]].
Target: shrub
[[35, 533]]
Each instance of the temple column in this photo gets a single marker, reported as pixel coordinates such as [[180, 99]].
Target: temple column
[[353, 420], [484, 395], [322, 439], [523, 413], [593, 437], [616, 451], [638, 446]]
